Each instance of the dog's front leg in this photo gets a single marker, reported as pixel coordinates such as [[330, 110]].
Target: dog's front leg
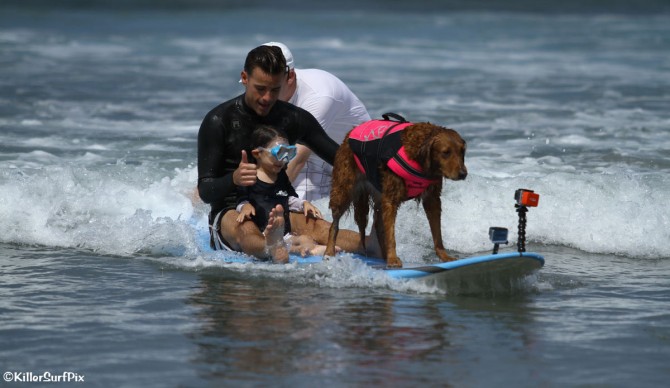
[[389, 213], [432, 205]]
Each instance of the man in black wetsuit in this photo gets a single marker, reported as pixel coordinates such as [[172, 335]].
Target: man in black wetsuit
[[223, 146]]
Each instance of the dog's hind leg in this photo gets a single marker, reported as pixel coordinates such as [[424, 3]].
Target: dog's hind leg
[[377, 231], [344, 179], [339, 203], [338, 207], [361, 210], [332, 236]]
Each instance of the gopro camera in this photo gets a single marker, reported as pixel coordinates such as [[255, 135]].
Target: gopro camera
[[524, 197], [498, 235]]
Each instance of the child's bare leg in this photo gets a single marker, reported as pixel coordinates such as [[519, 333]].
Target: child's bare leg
[[306, 246], [318, 229]]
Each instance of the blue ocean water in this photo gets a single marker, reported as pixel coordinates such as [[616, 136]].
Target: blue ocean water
[[104, 273]]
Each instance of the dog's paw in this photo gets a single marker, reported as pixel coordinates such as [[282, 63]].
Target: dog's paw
[[394, 263], [444, 257]]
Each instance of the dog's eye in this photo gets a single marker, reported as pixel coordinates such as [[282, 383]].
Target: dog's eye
[[446, 153]]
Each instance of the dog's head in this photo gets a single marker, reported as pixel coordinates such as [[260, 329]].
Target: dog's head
[[439, 150]]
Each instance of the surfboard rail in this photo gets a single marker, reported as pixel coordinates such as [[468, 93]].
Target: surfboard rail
[[522, 260]]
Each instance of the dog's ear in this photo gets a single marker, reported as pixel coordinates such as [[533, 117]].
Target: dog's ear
[[427, 153], [430, 152], [418, 141]]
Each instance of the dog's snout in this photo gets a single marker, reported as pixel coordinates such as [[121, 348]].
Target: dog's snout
[[462, 174]]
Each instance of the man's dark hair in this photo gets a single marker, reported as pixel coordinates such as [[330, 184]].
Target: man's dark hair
[[270, 59]]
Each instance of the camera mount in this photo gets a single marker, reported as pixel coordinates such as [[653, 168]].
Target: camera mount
[[524, 198]]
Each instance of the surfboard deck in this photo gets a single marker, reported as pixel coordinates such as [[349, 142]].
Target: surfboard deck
[[475, 274], [503, 265]]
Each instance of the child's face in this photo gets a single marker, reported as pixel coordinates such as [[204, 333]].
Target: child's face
[[266, 160]]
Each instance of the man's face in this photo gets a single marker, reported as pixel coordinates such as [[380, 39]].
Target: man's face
[[262, 90]]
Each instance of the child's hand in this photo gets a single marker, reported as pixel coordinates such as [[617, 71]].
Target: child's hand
[[309, 208], [247, 212]]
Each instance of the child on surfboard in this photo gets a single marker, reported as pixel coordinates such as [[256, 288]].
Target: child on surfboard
[[272, 153]]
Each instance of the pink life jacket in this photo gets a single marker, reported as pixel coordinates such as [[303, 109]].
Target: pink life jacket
[[379, 141]]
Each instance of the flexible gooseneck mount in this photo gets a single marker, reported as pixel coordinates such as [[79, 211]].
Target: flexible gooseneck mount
[[524, 199]]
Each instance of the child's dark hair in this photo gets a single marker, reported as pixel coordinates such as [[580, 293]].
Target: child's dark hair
[[263, 135], [270, 59]]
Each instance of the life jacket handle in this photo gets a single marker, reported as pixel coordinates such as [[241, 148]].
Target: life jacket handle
[[396, 117]]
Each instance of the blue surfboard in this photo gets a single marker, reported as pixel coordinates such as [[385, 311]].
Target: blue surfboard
[[500, 267], [507, 265]]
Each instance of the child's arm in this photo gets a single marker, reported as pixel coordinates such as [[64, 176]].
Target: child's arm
[[309, 208], [298, 205], [246, 210], [295, 204]]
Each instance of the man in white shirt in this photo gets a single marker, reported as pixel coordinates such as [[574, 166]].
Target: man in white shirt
[[334, 106]]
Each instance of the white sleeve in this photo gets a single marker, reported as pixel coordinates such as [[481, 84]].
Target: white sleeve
[[296, 204], [240, 205]]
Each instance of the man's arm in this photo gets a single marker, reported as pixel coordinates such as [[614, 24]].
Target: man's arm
[[212, 189], [324, 109], [298, 163], [317, 140], [218, 178], [213, 182]]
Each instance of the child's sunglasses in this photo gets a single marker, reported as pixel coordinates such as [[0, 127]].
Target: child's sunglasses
[[282, 152]]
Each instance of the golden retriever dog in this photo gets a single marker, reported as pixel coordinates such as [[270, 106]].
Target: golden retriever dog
[[391, 161]]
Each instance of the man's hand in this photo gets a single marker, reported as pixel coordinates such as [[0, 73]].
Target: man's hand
[[245, 174]]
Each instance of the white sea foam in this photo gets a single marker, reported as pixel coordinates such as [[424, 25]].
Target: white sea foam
[[127, 209]]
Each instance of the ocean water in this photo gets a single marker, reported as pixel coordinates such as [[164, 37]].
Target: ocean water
[[104, 273]]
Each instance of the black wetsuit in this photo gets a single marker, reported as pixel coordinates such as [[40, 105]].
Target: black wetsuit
[[226, 131], [265, 196]]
